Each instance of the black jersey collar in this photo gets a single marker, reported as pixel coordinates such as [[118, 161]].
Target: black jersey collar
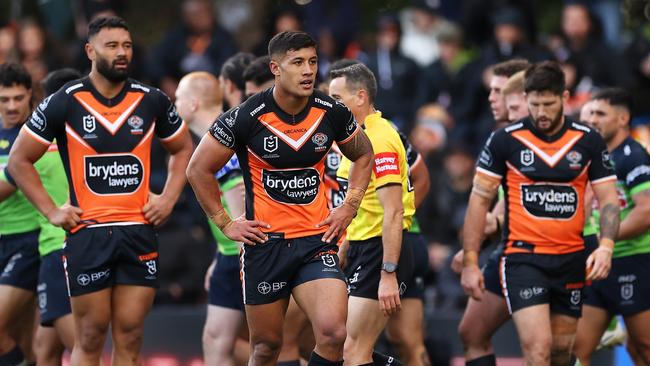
[[102, 99], [284, 116], [528, 122]]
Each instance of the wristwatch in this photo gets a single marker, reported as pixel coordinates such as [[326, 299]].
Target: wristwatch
[[389, 267]]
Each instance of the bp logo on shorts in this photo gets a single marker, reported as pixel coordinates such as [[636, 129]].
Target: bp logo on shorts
[[110, 174], [549, 200], [291, 186], [83, 279]]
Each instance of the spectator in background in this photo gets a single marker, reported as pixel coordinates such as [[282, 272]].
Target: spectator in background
[[510, 39], [198, 44], [580, 40], [397, 75], [8, 50], [36, 52], [287, 18], [421, 24], [637, 60], [453, 82]]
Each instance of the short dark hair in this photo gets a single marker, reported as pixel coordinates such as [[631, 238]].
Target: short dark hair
[[57, 78], [618, 97], [360, 76], [106, 22], [233, 68], [510, 67], [12, 73], [343, 63], [286, 41], [545, 76], [258, 71]]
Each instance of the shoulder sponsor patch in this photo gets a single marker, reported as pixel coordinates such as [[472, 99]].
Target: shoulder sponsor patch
[[386, 163], [223, 134]]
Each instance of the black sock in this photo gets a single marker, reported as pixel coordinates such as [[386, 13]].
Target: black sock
[[289, 363], [488, 360], [317, 360], [13, 357], [383, 360]]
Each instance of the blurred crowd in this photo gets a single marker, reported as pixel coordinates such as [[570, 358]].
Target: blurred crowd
[[431, 58]]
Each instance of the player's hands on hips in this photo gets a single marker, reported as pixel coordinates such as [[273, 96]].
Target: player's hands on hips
[[457, 262], [66, 216], [246, 231], [599, 263], [157, 209], [338, 220], [388, 294], [471, 279]]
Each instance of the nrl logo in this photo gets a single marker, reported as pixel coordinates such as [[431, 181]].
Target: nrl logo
[[527, 157], [270, 143], [89, 123]]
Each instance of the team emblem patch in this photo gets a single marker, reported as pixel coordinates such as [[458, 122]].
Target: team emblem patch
[[527, 157], [574, 157], [270, 143], [320, 139], [627, 291], [89, 123], [136, 123]]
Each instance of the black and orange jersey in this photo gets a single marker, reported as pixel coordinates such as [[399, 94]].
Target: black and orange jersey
[[544, 179], [283, 158], [105, 145]]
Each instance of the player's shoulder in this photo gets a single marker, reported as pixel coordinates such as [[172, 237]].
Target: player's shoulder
[[630, 155], [252, 107], [150, 92], [329, 104], [577, 126]]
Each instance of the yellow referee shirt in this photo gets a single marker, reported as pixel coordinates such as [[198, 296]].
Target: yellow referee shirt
[[390, 167]]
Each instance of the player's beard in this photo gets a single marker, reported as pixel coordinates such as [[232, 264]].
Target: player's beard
[[554, 122], [110, 72]]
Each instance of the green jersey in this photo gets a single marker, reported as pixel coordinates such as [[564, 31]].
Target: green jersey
[[50, 170], [632, 165], [228, 177], [17, 215]]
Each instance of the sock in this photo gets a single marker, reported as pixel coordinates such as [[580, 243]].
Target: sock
[[289, 363], [384, 360], [488, 360], [612, 324], [317, 360], [13, 357]]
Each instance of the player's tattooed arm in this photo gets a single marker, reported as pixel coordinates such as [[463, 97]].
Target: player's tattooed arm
[[359, 150], [609, 221], [357, 147]]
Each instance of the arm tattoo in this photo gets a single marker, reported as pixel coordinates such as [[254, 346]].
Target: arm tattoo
[[609, 221], [358, 146]]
